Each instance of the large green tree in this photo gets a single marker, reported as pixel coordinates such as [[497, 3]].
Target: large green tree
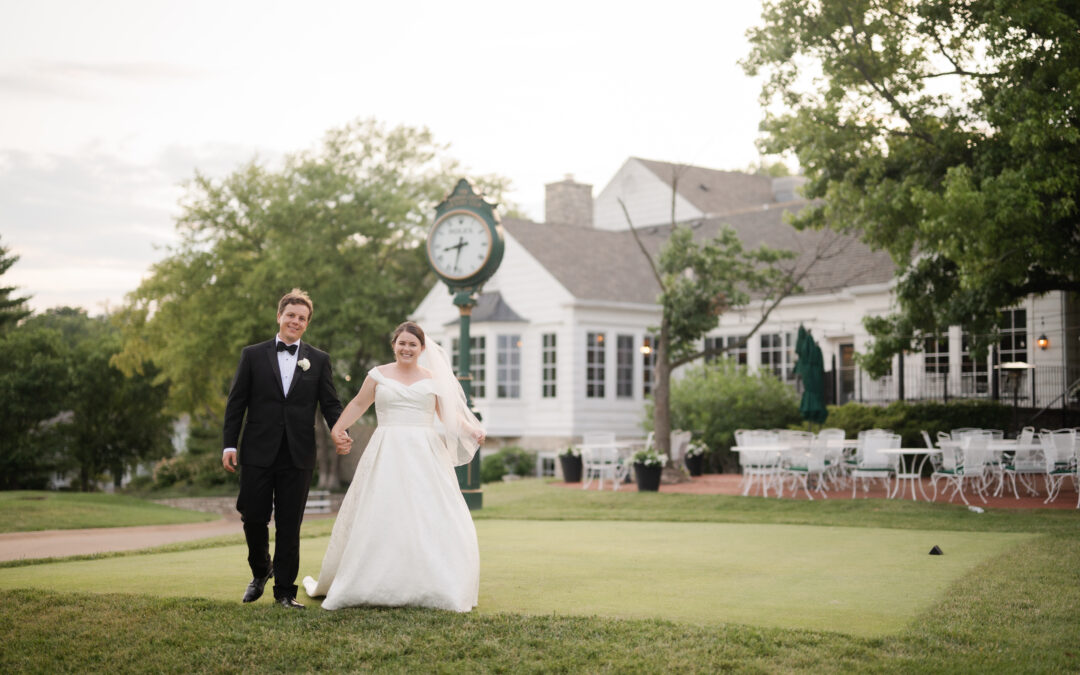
[[945, 131], [34, 383], [344, 222], [110, 421]]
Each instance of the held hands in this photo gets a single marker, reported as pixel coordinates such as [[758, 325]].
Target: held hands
[[342, 441]]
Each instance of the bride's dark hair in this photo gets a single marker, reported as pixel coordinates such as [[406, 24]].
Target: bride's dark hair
[[408, 327]]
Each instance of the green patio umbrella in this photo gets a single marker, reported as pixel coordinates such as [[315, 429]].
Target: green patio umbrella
[[811, 368]]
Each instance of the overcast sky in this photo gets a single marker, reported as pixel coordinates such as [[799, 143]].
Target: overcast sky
[[107, 106]]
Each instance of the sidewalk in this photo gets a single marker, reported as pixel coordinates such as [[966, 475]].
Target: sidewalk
[[60, 543]]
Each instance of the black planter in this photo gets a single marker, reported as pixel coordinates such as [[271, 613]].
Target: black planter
[[571, 468], [648, 477], [694, 464]]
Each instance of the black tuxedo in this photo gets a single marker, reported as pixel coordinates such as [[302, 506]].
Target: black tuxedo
[[277, 451]]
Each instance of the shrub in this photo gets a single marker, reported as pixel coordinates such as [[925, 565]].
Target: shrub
[[908, 419], [713, 400], [510, 459]]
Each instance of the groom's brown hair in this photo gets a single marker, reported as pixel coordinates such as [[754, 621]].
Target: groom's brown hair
[[295, 297]]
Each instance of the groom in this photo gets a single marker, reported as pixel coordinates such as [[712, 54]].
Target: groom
[[277, 384]]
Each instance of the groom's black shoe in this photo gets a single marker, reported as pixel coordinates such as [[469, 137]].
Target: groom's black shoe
[[289, 603], [255, 588]]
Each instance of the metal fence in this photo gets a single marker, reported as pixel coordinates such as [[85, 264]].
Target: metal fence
[[1053, 387]]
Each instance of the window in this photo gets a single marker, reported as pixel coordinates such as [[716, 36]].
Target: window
[[624, 366], [548, 358], [648, 363], [594, 365], [1013, 329], [974, 373], [730, 341], [778, 356], [508, 367], [477, 359], [936, 355]]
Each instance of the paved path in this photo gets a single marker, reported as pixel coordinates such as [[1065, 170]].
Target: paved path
[[58, 543]]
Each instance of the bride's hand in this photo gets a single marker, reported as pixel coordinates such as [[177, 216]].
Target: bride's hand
[[479, 436]]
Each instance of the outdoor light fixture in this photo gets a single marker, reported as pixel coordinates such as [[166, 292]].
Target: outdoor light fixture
[[646, 349], [1043, 342]]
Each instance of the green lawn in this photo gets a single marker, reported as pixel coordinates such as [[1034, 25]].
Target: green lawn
[[25, 511], [713, 584]]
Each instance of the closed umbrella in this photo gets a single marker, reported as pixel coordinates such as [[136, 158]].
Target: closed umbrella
[[811, 368]]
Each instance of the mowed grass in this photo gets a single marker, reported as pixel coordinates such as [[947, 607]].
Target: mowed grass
[[706, 573], [26, 511], [993, 603]]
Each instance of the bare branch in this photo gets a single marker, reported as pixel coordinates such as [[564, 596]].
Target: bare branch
[[641, 245]]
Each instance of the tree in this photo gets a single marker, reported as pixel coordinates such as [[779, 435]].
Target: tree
[[945, 132], [12, 310], [700, 280], [110, 421], [344, 222], [33, 387]]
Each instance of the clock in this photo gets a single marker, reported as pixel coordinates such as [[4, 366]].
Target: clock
[[459, 245], [465, 243]]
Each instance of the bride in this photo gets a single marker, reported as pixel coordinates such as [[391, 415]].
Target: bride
[[403, 534]]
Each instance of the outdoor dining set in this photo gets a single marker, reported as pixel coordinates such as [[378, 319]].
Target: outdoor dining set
[[964, 462]]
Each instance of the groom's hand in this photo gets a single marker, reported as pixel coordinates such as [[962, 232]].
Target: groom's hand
[[228, 460]]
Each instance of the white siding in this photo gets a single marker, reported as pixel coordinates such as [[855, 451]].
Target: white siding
[[647, 198]]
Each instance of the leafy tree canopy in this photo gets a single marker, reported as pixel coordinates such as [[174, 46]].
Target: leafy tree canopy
[[944, 131], [344, 222]]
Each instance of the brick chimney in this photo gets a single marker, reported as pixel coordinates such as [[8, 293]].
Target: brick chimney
[[568, 203]]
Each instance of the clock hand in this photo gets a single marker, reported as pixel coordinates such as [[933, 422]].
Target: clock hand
[[460, 245]]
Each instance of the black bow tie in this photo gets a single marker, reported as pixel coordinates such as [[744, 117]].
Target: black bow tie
[[282, 347]]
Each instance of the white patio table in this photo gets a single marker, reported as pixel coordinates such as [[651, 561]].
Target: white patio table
[[910, 475]]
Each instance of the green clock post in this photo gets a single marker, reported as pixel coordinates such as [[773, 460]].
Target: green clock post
[[464, 247]]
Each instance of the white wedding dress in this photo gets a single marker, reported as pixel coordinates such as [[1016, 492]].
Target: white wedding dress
[[403, 535]]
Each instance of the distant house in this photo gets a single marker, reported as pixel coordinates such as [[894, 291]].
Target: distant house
[[561, 334]]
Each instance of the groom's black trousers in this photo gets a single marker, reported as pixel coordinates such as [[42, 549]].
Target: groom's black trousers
[[283, 489]]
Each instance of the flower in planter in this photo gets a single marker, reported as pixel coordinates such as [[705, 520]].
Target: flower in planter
[[649, 457], [571, 451], [696, 448]]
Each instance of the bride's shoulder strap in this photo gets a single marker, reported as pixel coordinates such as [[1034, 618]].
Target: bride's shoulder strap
[[377, 375]]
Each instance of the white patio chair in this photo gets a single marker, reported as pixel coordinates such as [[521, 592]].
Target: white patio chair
[[760, 467], [680, 441], [1059, 461], [801, 465], [835, 470], [600, 460], [1024, 464], [871, 464], [963, 463]]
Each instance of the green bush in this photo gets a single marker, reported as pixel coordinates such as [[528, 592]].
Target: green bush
[[908, 419], [510, 459], [713, 400]]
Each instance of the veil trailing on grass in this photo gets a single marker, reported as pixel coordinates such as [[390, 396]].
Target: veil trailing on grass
[[459, 423]]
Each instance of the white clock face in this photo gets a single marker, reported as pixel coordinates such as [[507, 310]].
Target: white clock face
[[459, 244]]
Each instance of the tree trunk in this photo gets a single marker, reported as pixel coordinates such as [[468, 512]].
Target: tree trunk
[[84, 477], [662, 396], [327, 458]]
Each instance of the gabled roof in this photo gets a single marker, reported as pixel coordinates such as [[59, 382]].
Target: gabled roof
[[609, 265], [490, 307], [711, 191]]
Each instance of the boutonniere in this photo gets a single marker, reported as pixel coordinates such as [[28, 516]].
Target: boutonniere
[[304, 364]]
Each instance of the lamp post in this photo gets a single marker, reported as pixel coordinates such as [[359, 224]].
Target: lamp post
[[1013, 370]]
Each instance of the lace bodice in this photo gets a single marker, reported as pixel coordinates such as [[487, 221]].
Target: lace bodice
[[397, 404]]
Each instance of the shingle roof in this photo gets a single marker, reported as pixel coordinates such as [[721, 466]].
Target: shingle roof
[[712, 191], [490, 307], [609, 266]]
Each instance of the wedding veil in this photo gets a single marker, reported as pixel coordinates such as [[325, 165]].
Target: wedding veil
[[459, 423]]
